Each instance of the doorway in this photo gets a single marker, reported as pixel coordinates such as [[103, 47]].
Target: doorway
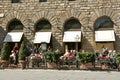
[[72, 46], [109, 45]]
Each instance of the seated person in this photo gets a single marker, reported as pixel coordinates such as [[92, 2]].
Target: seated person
[[68, 55], [71, 54], [105, 54], [12, 55], [37, 55], [65, 55]]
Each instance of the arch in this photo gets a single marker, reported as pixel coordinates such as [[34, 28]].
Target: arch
[[15, 24], [109, 12], [72, 23], [107, 17], [71, 13], [11, 15], [42, 24], [103, 22], [45, 15]]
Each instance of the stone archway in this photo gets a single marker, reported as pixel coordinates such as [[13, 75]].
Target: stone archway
[[114, 16], [72, 35], [110, 12], [43, 24], [46, 15], [51, 18], [15, 25], [64, 16], [12, 15], [73, 13], [43, 34], [104, 33]]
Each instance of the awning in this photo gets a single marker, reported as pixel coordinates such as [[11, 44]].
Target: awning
[[72, 36], [13, 37], [103, 36], [42, 37]]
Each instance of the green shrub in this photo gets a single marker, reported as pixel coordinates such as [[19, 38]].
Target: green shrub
[[5, 51], [118, 57], [52, 56], [23, 51], [86, 57]]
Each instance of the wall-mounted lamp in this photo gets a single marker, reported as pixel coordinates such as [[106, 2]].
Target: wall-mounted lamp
[[77, 38]]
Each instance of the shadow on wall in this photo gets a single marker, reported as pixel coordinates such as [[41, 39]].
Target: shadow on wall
[[56, 44], [2, 36], [87, 45], [117, 42]]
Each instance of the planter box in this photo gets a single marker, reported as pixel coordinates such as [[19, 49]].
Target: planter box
[[104, 66], [4, 64], [22, 64], [51, 65], [86, 66]]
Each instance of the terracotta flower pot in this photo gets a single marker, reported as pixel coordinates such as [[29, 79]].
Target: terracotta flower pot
[[22, 64]]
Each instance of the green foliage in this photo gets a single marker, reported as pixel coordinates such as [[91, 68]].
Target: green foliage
[[118, 57], [23, 52], [86, 57], [52, 56], [5, 51]]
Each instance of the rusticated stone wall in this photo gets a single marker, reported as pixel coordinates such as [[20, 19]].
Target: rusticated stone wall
[[57, 12]]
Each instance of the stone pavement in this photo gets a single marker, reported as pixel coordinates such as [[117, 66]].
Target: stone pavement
[[41, 74]]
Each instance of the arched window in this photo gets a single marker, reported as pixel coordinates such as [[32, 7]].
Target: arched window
[[103, 22], [72, 34], [42, 0], [104, 33], [15, 25], [72, 24], [15, 1], [43, 25]]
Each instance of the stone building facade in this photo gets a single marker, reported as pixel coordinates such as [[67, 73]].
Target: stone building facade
[[58, 12]]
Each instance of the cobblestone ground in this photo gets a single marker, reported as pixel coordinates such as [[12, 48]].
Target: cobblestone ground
[[40, 74]]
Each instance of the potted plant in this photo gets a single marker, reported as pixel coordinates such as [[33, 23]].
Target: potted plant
[[52, 59], [86, 60], [5, 54], [23, 53]]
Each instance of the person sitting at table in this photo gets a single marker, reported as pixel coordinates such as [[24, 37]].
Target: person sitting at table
[[105, 54], [68, 54]]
